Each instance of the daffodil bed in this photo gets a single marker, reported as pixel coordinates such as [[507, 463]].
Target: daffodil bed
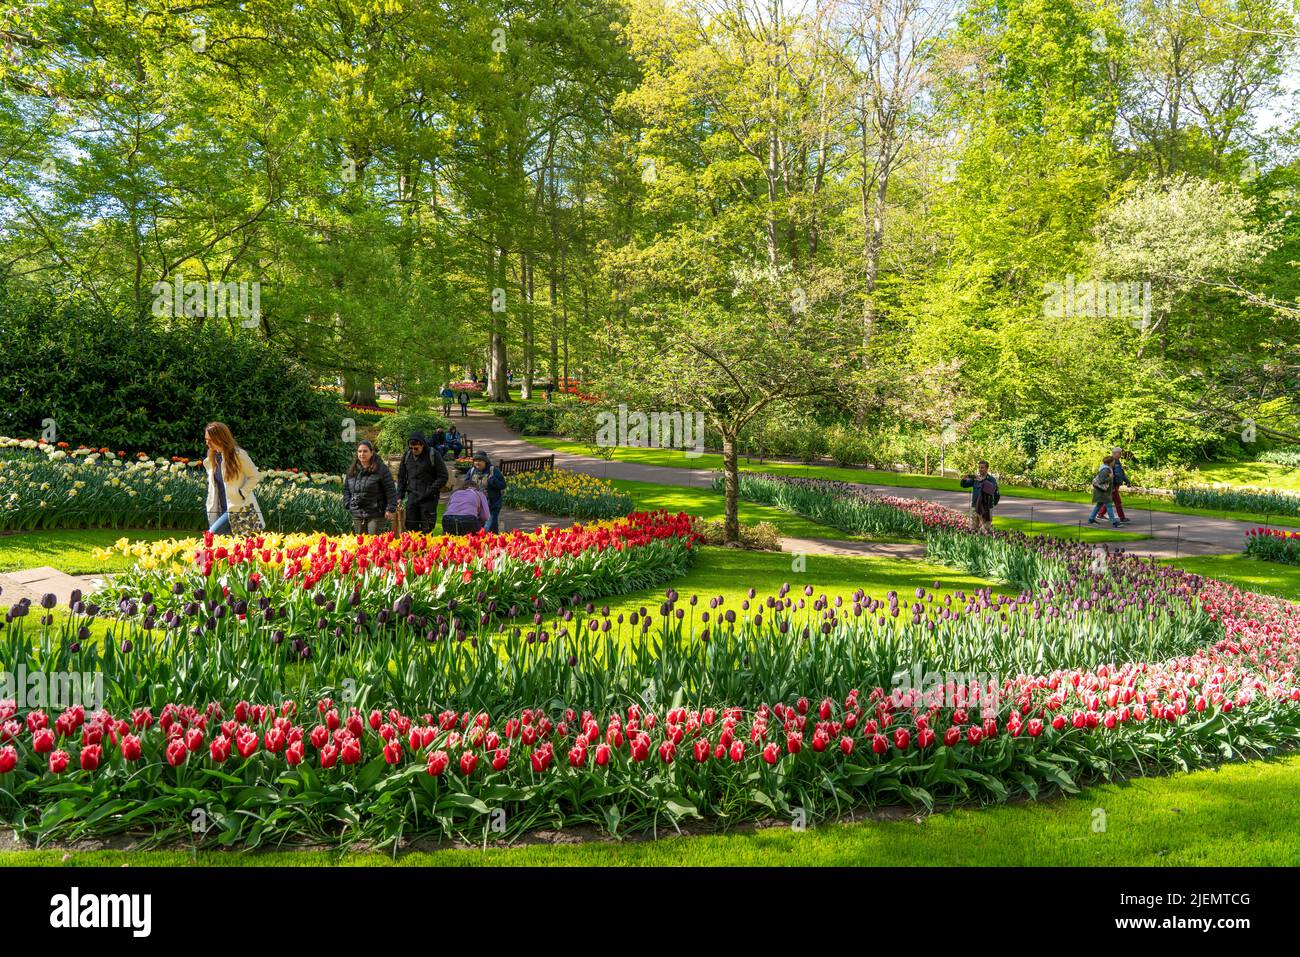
[[404, 715], [44, 486], [575, 494]]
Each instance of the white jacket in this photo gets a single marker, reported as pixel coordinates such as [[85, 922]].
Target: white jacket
[[239, 491]]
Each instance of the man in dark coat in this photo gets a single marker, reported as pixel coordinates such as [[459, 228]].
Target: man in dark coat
[[421, 476], [984, 496]]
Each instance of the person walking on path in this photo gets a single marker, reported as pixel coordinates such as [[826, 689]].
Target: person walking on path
[[463, 399], [421, 476], [369, 493], [447, 396], [232, 476], [1102, 486], [1120, 478], [984, 497], [467, 510], [493, 485]]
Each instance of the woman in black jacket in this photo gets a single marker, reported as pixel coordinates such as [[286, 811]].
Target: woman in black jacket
[[368, 491], [421, 476]]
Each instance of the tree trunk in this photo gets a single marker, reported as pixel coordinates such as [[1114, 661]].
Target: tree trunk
[[498, 389], [359, 390], [731, 486], [526, 385]]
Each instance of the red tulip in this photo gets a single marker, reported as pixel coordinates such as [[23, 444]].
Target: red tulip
[[1035, 727], [952, 736], [1058, 722], [577, 756], [293, 754], [879, 744], [667, 751], [902, 739], [499, 758], [58, 761], [468, 762], [43, 741], [974, 735], [924, 738], [772, 753], [329, 755], [393, 752], [350, 751], [219, 749], [737, 750], [794, 742], [438, 762], [541, 758], [603, 753], [702, 750], [193, 739], [90, 755], [131, 749], [176, 752]]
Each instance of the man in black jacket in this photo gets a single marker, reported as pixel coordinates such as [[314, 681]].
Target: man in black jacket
[[422, 476]]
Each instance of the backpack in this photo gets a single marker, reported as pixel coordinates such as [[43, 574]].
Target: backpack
[[990, 493]]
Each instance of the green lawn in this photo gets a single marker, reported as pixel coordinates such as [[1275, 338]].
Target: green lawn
[[1252, 574], [1235, 815], [72, 550], [670, 458], [1260, 474], [730, 572], [709, 504]]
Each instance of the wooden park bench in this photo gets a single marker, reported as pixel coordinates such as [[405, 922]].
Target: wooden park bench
[[536, 463]]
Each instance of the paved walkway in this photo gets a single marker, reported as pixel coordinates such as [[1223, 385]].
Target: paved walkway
[[36, 583], [1171, 535]]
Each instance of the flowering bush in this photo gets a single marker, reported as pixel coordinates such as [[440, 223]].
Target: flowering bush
[[558, 492], [1274, 545], [45, 486]]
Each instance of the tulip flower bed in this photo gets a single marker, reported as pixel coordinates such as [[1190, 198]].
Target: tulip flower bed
[[574, 494], [374, 771], [45, 487], [310, 586], [449, 725], [1238, 499], [847, 507], [1274, 545]]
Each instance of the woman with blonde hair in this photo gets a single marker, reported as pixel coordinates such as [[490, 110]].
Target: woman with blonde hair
[[232, 476]]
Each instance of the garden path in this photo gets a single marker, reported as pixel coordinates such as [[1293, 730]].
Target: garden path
[[1171, 535]]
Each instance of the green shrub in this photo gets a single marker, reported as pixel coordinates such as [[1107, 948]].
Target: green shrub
[[395, 428], [848, 445], [535, 418], [151, 385]]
